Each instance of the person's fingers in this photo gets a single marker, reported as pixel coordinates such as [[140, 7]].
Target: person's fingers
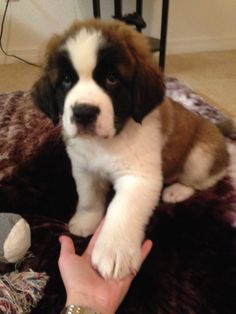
[[67, 246], [146, 248], [92, 241]]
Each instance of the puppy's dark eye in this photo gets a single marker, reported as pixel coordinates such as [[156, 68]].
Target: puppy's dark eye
[[66, 82], [112, 80]]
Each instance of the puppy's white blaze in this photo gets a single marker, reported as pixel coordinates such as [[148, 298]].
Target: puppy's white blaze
[[83, 50]]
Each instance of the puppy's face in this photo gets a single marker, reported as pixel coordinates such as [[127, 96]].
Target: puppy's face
[[96, 76]]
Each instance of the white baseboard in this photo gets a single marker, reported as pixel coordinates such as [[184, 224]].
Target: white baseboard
[[201, 44], [174, 46]]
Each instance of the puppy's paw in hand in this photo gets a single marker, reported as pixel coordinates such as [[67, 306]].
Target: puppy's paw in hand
[[116, 258]]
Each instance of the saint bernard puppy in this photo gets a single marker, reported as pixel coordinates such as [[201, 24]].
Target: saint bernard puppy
[[101, 80]]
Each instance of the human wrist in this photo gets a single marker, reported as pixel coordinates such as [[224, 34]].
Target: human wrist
[[82, 302], [85, 302], [76, 309]]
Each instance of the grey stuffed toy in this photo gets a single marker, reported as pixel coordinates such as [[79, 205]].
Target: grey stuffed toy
[[15, 237]]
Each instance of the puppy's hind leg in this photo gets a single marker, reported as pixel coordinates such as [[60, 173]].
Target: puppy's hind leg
[[177, 192], [202, 170]]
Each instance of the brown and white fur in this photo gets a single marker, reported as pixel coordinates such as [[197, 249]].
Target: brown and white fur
[[119, 128]]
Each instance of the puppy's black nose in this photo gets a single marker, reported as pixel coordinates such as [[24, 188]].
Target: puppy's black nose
[[85, 114]]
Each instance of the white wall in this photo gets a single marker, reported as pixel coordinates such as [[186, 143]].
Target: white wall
[[194, 25], [202, 25]]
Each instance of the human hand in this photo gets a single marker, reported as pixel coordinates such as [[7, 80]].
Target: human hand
[[84, 286]]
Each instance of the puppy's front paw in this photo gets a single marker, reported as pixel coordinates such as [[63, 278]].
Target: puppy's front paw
[[116, 258], [177, 193], [84, 223]]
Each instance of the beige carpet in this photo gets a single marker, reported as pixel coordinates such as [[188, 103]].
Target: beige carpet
[[211, 74], [17, 76]]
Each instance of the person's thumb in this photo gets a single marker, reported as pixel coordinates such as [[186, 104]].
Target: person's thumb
[[67, 246]]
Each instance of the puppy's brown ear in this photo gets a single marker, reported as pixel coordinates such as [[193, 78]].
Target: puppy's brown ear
[[148, 90], [44, 97]]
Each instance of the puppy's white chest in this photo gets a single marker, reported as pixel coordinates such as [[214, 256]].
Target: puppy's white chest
[[90, 156]]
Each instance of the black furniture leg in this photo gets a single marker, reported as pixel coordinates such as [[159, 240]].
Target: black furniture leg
[[139, 11], [139, 7], [96, 8], [118, 9], [164, 19]]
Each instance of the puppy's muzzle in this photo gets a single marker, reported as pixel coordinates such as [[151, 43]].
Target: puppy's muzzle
[[85, 114]]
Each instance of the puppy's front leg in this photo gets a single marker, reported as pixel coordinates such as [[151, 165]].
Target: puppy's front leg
[[117, 250], [91, 207]]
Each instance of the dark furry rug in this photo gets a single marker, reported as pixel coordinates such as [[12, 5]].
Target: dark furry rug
[[192, 266]]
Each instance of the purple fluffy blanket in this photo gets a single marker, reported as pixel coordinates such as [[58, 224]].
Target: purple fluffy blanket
[[192, 266]]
